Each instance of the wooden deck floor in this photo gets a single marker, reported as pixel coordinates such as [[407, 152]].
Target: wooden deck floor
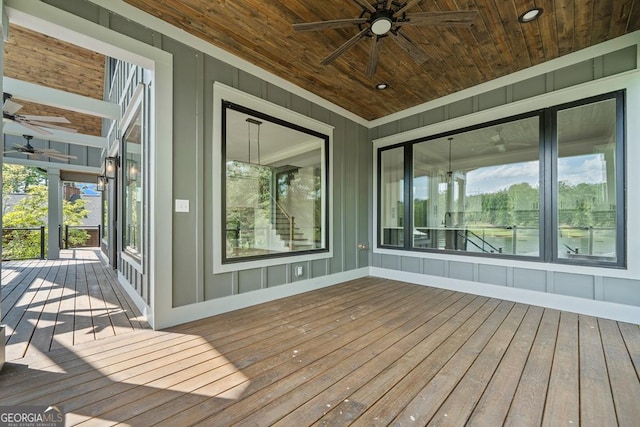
[[61, 303], [364, 353]]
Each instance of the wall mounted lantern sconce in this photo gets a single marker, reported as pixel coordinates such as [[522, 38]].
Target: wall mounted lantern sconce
[[132, 170], [102, 183], [111, 166]]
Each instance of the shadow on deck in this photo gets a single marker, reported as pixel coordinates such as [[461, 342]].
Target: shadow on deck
[[51, 304]]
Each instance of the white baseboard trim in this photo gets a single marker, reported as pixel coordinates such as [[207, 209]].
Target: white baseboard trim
[[216, 306], [607, 310], [146, 311]]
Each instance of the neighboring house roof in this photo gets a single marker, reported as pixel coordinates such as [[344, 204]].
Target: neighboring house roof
[[92, 204]]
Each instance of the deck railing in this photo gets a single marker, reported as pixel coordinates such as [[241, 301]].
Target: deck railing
[[85, 228], [30, 247]]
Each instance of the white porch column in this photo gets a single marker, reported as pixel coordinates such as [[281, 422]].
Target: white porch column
[[55, 213]]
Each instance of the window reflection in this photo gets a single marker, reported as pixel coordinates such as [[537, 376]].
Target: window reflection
[[586, 183], [275, 187], [133, 199], [392, 196], [478, 191]]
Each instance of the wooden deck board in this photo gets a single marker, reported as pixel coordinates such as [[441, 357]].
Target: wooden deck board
[[43, 334], [366, 352], [435, 389], [596, 400], [529, 399], [301, 363], [26, 314], [564, 382], [494, 404], [459, 405], [47, 304], [619, 368]]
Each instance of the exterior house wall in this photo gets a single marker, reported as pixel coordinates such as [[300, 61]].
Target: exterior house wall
[[606, 72], [194, 73], [197, 292]]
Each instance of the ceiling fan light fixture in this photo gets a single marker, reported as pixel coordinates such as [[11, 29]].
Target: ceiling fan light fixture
[[530, 15], [381, 23]]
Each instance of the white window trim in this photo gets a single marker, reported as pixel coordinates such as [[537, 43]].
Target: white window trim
[[222, 92], [629, 80]]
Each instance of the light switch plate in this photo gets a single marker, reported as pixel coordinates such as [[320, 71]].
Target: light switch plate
[[182, 205]]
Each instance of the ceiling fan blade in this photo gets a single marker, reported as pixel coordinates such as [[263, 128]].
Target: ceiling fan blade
[[63, 157], [406, 6], [388, 5], [10, 107], [365, 4], [33, 128], [323, 25], [50, 126], [53, 119], [374, 56], [412, 48], [461, 18], [50, 152], [342, 49]]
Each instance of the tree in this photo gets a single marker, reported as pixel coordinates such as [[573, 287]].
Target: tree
[[31, 212], [18, 179]]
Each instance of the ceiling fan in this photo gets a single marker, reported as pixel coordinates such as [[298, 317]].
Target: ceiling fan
[[385, 18], [29, 150], [38, 124], [498, 143]]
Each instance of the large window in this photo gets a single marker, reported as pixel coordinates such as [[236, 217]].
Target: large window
[[541, 186], [132, 185], [588, 182], [392, 189], [274, 186]]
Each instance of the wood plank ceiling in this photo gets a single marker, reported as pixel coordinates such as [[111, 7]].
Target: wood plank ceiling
[[459, 57], [35, 58]]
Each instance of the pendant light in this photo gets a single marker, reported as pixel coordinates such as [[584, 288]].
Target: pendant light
[[251, 121], [450, 171]]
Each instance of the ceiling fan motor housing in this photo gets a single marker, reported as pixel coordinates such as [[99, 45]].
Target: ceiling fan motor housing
[[381, 22]]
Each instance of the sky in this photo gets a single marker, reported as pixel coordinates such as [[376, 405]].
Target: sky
[[589, 169]]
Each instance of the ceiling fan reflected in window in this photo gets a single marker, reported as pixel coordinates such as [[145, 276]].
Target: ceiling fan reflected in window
[[38, 124], [385, 19], [30, 150]]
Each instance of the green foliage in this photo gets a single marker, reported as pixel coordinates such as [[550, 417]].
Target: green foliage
[[31, 212], [18, 179], [582, 205]]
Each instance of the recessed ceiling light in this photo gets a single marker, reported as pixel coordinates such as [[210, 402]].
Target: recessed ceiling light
[[530, 15], [382, 86]]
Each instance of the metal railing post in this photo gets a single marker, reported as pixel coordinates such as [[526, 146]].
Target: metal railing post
[[291, 226], [66, 236], [42, 242]]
